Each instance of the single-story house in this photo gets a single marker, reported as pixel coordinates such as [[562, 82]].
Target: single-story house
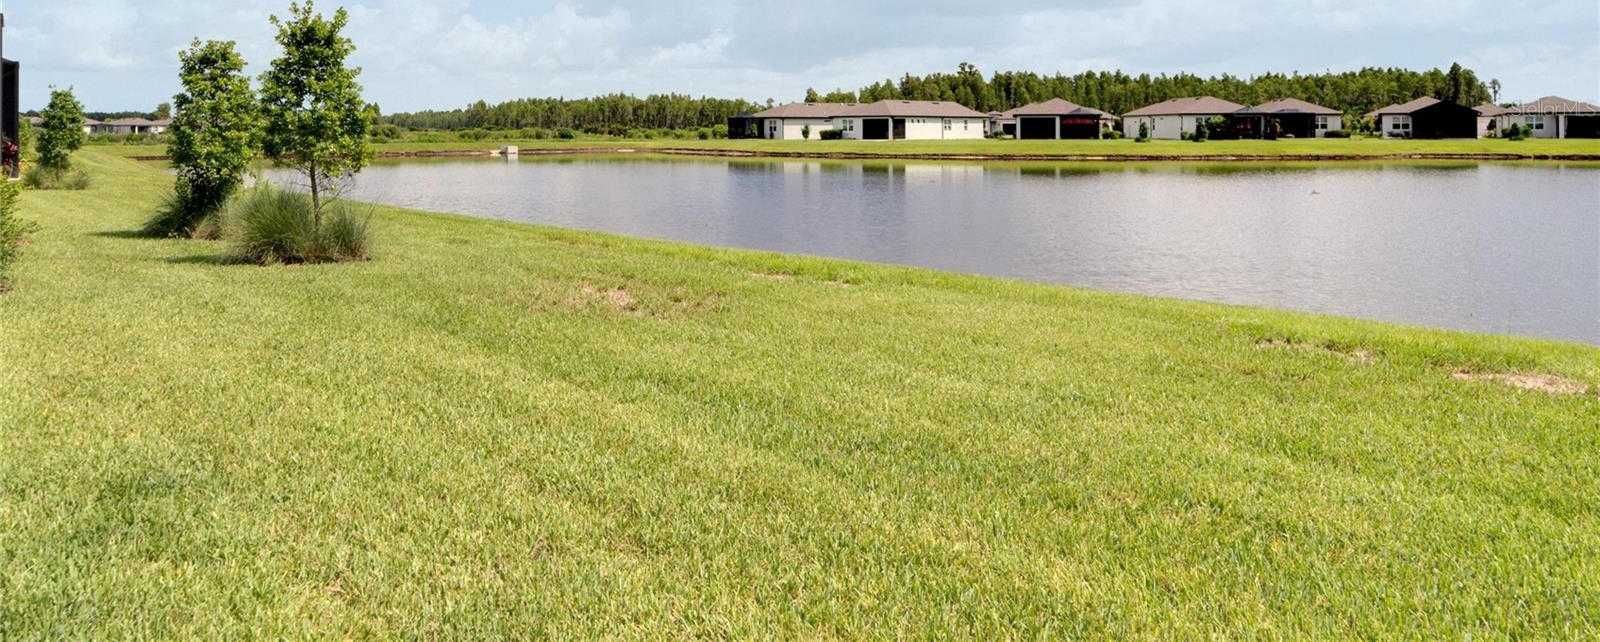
[[1174, 118], [1002, 123], [791, 121], [1057, 118], [1426, 118], [1488, 119], [1286, 117], [911, 120], [1551, 117], [135, 126]]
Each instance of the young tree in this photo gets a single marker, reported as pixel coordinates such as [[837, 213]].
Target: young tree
[[163, 111], [1494, 89], [1144, 131], [215, 134], [62, 131], [812, 97], [316, 121]]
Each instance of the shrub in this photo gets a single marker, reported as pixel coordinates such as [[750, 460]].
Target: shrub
[[566, 133], [386, 133], [719, 131], [473, 134], [1110, 133], [47, 178], [1516, 132], [1336, 133], [704, 133], [13, 231], [1201, 134], [805, 132], [1144, 132], [832, 134], [270, 225]]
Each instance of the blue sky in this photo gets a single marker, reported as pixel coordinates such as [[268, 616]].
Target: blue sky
[[122, 54]]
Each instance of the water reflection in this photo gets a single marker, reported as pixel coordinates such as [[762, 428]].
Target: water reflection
[[1506, 248]]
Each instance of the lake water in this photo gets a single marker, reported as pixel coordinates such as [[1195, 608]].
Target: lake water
[[1499, 248]]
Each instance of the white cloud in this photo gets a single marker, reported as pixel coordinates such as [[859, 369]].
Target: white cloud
[[121, 54]]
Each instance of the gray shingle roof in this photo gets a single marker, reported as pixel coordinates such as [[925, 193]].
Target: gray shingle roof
[[1291, 106], [1554, 105], [913, 108], [1198, 105], [1057, 107]]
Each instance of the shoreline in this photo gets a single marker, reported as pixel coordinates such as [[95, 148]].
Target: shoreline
[[957, 156]]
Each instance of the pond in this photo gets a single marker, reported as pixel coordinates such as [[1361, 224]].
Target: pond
[[1499, 248]]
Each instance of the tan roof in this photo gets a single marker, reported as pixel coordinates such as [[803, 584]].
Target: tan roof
[[1554, 105], [919, 108], [1188, 106], [1406, 108], [806, 110], [1291, 106], [1489, 109], [126, 122], [1058, 107]]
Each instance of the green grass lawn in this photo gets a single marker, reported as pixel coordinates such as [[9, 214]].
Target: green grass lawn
[[498, 430], [1357, 147]]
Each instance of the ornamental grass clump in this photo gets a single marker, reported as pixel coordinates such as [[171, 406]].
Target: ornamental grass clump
[[269, 225]]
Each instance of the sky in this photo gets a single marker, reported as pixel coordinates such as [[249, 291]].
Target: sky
[[442, 54]]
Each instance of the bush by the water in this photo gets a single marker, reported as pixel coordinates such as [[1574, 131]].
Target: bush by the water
[[13, 231], [46, 178], [832, 134], [269, 225], [1336, 133]]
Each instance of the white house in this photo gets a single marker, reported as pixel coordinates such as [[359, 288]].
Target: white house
[[794, 120], [911, 120], [1548, 117], [1174, 118]]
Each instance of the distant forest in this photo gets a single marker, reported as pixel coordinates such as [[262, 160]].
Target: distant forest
[[1353, 92]]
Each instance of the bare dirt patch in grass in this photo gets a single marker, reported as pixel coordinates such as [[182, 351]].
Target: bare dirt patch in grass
[[646, 301], [618, 298], [1361, 356], [1548, 384]]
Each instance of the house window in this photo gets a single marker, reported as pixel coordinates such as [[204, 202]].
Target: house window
[[1322, 122], [1535, 122], [947, 124]]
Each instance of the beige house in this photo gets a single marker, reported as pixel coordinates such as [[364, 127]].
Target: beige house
[[912, 120], [135, 126], [790, 122], [1548, 117], [1174, 118]]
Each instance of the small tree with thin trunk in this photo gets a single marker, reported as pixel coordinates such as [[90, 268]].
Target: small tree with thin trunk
[[316, 121], [215, 134], [61, 134]]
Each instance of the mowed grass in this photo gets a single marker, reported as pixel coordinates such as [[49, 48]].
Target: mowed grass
[[500, 430], [1353, 148]]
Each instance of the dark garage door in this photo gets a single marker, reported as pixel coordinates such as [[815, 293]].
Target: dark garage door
[[875, 129], [1583, 127], [1037, 128]]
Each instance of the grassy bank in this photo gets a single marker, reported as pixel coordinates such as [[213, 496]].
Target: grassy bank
[[497, 429], [1329, 148]]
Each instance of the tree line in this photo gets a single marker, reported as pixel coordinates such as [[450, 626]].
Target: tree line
[[1353, 92], [611, 114]]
